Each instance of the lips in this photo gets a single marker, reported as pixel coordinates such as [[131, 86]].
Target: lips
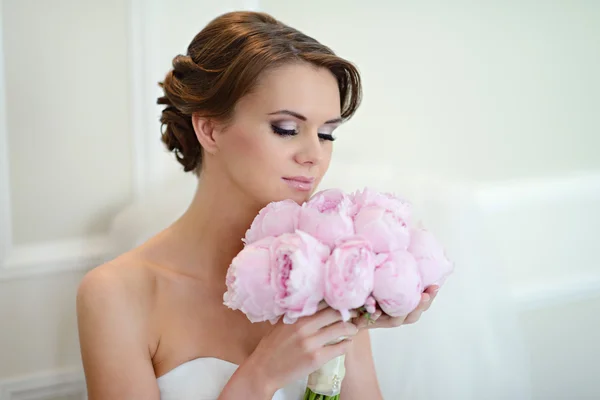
[[303, 179], [301, 183]]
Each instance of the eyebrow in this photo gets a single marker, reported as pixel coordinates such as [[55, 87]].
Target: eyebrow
[[303, 118]]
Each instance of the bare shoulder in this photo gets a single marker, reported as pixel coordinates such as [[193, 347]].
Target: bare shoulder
[[123, 281], [120, 289], [113, 309]]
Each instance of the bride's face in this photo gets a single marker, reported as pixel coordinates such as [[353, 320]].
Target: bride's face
[[279, 142]]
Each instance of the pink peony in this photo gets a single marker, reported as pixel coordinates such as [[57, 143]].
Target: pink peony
[[400, 208], [371, 305], [298, 274], [398, 285], [433, 265], [326, 216], [382, 228], [248, 281], [349, 275], [273, 220]]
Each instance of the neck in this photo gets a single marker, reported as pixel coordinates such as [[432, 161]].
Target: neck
[[209, 234]]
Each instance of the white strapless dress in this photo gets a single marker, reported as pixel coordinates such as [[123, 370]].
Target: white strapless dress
[[204, 379]]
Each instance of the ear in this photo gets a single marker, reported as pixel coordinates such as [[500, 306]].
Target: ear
[[205, 130]]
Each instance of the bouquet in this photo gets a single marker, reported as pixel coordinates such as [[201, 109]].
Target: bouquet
[[358, 251]]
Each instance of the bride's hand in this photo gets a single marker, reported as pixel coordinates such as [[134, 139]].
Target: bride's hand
[[380, 320], [293, 351]]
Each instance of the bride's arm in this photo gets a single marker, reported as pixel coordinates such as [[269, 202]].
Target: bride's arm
[[113, 339], [247, 383], [361, 379]]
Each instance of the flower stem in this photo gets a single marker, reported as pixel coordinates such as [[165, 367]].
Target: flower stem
[[310, 395]]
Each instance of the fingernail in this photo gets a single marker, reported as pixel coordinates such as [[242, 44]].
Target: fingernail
[[435, 290], [426, 298]]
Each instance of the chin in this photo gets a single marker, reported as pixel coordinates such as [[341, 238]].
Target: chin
[[300, 198], [266, 195], [286, 194]]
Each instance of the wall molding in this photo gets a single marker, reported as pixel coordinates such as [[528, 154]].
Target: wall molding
[[137, 74], [151, 163], [145, 71], [55, 256], [506, 196], [45, 386], [80, 253], [5, 207], [543, 295], [503, 195]]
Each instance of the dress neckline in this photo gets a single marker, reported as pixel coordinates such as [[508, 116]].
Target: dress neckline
[[195, 360]]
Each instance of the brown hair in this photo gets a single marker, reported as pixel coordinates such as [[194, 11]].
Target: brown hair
[[223, 63]]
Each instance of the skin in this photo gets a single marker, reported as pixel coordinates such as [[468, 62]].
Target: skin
[[160, 305]]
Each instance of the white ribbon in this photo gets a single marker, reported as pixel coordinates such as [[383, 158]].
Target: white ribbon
[[327, 380]]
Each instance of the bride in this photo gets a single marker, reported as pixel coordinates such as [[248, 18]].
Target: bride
[[252, 110]]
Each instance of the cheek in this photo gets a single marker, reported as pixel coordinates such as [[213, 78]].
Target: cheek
[[326, 158], [261, 150]]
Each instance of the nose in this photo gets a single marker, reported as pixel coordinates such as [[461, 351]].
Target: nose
[[310, 152]]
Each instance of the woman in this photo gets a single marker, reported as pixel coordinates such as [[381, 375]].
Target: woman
[[252, 109]]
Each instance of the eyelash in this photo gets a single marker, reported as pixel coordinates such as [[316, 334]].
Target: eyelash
[[290, 132]]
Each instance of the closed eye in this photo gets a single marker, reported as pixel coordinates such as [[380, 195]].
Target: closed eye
[[292, 132], [283, 132], [324, 136]]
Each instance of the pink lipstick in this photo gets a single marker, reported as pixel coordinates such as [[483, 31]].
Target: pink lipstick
[[301, 183]]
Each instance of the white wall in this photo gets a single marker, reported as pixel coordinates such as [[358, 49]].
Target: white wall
[[67, 101], [477, 90], [79, 140], [523, 299], [498, 97], [65, 145]]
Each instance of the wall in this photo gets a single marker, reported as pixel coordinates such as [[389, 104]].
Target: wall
[[496, 97], [66, 154], [546, 233], [78, 142], [471, 90], [524, 296]]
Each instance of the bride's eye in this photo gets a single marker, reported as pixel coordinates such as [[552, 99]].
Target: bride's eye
[[283, 132], [293, 132], [326, 136]]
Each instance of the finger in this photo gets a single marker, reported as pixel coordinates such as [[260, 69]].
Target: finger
[[383, 321], [334, 333], [432, 291], [425, 299], [412, 317], [361, 322], [424, 303], [326, 317], [367, 320], [376, 315], [389, 322], [330, 352]]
